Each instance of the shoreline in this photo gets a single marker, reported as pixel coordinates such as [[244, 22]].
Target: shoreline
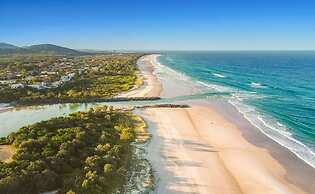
[[257, 165], [150, 86], [209, 147], [298, 171]]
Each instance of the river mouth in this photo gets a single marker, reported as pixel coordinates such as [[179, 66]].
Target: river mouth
[[30, 114]]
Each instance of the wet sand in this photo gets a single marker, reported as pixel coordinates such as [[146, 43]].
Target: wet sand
[[210, 148]]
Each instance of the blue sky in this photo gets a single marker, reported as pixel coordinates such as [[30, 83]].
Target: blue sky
[[160, 24]]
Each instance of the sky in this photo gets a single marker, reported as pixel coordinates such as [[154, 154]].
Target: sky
[[160, 24]]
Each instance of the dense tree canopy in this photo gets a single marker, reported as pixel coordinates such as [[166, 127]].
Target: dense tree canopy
[[85, 152]]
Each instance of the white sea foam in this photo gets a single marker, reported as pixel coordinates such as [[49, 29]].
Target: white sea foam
[[278, 123], [179, 84], [256, 85], [266, 124], [218, 75], [215, 87], [275, 131], [167, 70]]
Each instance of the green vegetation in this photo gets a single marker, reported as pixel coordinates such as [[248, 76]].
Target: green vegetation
[[85, 152], [52, 49], [34, 79]]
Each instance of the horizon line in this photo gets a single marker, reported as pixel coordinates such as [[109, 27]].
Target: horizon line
[[167, 50]]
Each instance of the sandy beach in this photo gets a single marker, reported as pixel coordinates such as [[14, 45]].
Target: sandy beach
[[150, 87], [210, 148]]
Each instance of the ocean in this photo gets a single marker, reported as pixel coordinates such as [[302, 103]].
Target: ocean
[[274, 90]]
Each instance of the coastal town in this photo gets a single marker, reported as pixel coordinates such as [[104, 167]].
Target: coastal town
[[31, 78], [42, 74]]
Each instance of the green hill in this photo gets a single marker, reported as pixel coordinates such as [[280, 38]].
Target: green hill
[[7, 46], [52, 49], [38, 49]]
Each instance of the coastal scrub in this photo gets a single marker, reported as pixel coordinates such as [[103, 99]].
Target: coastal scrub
[[85, 152]]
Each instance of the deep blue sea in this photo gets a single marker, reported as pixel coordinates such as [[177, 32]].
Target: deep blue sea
[[274, 90]]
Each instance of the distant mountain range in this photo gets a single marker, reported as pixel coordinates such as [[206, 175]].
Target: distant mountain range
[[38, 49]]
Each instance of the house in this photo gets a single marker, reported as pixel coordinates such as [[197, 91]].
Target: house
[[51, 73], [16, 86], [40, 86], [43, 76], [36, 86], [11, 81], [56, 84], [67, 78]]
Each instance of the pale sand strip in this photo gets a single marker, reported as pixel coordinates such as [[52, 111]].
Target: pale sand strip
[[151, 86]]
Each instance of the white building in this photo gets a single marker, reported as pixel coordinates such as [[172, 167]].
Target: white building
[[11, 81], [16, 86], [67, 78], [52, 73], [56, 84], [36, 86], [39, 86]]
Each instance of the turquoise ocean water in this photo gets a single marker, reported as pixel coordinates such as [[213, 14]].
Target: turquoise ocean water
[[274, 90]]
